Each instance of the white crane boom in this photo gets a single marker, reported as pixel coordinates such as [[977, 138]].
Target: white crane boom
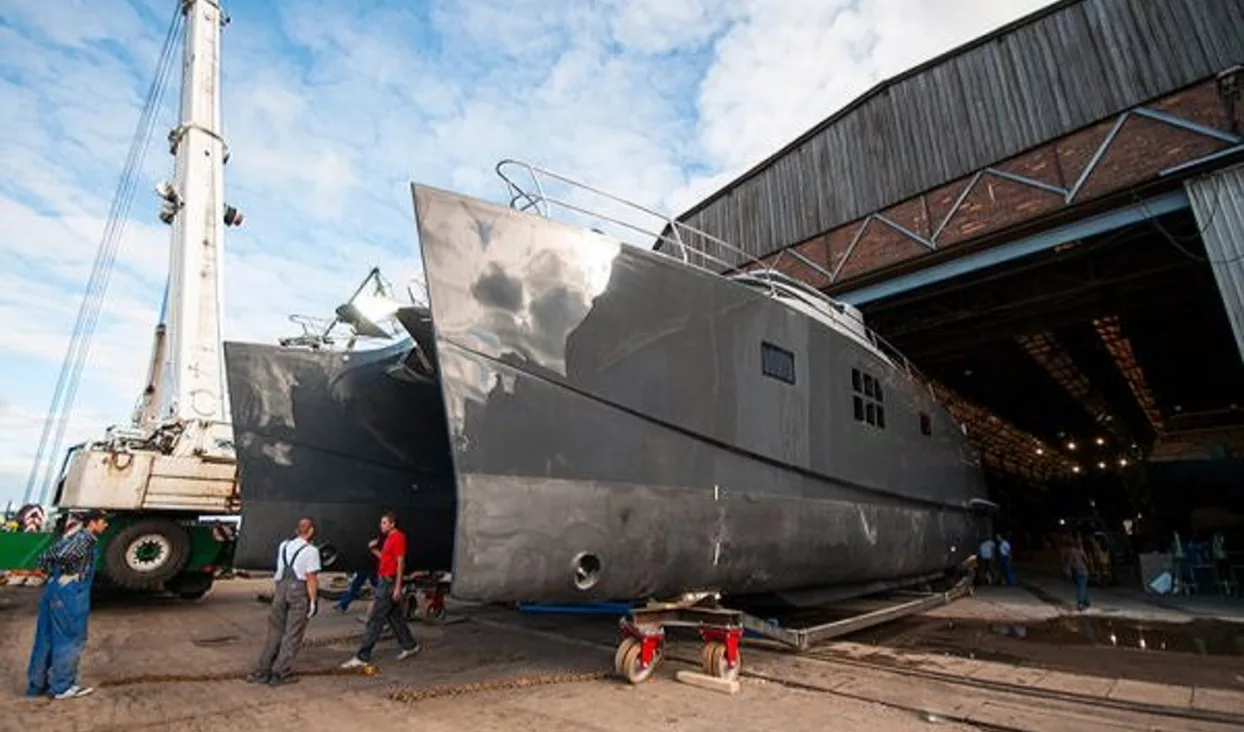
[[178, 455], [193, 372]]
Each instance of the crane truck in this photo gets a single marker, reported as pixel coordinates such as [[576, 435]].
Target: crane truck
[[166, 475]]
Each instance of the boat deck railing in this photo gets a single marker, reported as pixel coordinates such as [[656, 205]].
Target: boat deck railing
[[534, 196], [889, 350]]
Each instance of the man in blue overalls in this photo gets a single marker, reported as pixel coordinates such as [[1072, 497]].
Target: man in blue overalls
[[293, 605], [63, 612]]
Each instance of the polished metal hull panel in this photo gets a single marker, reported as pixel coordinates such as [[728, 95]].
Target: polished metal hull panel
[[663, 511], [607, 400], [338, 439]]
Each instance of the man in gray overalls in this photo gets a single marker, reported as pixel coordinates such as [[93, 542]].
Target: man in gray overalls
[[293, 604]]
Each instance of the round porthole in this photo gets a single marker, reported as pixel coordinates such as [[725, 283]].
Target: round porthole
[[586, 568]]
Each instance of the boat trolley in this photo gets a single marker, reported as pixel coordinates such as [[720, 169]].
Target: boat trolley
[[721, 630]]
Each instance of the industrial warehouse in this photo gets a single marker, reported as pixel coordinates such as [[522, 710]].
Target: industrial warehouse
[[934, 416], [1045, 223]]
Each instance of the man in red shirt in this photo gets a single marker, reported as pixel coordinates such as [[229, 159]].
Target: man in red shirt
[[387, 608]]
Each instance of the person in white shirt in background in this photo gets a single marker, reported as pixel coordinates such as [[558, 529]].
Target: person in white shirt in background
[[293, 605], [985, 554], [1004, 559]]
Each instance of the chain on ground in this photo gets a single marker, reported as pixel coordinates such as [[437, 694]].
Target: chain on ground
[[411, 694], [224, 676]]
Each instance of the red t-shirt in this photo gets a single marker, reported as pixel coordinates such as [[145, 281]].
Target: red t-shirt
[[394, 547]]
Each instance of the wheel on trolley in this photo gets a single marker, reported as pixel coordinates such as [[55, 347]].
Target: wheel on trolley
[[430, 606], [434, 612], [627, 661], [713, 660]]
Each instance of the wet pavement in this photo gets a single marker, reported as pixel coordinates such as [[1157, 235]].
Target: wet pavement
[[1200, 652], [1126, 637], [1203, 637]]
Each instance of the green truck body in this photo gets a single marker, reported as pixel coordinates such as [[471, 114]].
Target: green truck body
[[209, 551]]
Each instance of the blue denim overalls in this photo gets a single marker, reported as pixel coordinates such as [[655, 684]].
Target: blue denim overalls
[[61, 632]]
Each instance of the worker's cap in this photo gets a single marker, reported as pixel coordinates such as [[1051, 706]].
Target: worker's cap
[[93, 515]]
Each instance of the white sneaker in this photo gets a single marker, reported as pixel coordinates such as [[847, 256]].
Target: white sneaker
[[74, 692], [354, 662], [407, 654]]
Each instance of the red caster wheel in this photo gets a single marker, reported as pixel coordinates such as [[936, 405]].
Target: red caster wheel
[[628, 661], [713, 660]]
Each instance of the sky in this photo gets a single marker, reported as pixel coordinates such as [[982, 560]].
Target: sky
[[331, 109]]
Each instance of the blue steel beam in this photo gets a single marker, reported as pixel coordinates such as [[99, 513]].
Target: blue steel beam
[[1100, 224]]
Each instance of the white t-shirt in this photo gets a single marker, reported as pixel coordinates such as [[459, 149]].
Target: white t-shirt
[[308, 560], [987, 549]]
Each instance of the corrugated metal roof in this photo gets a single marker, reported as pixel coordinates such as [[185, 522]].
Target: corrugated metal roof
[[1218, 202], [1040, 78]]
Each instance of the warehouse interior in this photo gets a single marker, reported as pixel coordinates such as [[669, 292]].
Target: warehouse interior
[[1101, 381]]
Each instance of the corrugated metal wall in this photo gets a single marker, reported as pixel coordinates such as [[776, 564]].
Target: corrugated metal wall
[[1218, 203], [1077, 65]]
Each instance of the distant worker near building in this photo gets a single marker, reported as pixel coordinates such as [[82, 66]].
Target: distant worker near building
[[986, 564], [64, 610], [1075, 564], [293, 605], [1004, 559]]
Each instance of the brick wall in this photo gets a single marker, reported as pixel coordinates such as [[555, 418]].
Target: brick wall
[[1140, 149]]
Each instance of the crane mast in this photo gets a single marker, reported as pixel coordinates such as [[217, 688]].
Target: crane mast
[[192, 388]]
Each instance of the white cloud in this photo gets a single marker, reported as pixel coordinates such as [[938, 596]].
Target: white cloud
[[54, 22], [332, 109], [15, 462], [789, 65], [658, 26]]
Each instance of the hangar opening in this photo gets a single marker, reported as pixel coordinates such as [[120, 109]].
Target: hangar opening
[[1110, 379], [1049, 222]]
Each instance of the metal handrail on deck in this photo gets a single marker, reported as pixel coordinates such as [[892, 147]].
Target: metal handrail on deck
[[881, 344], [536, 197], [539, 199]]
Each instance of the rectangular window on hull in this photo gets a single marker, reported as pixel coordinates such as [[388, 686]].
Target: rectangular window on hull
[[868, 401], [778, 363], [926, 424]]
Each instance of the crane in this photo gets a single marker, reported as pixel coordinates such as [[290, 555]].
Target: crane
[[174, 463]]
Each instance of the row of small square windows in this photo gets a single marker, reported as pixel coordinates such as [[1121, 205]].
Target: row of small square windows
[[868, 401]]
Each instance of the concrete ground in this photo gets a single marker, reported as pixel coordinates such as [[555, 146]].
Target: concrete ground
[[157, 637], [223, 633], [1043, 597], [1133, 602]]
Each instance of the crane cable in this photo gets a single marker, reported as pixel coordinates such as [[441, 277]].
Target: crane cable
[[105, 258]]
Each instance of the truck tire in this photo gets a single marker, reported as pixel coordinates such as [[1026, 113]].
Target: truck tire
[[146, 554]]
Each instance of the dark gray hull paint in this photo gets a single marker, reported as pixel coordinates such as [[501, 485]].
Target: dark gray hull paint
[[338, 440], [605, 400], [608, 400]]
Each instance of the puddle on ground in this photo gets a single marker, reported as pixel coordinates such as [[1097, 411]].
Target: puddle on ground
[[1202, 637]]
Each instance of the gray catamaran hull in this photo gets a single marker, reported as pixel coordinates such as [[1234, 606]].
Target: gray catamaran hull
[[338, 439], [622, 425]]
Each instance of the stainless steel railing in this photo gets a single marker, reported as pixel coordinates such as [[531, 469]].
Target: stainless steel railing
[[535, 197]]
